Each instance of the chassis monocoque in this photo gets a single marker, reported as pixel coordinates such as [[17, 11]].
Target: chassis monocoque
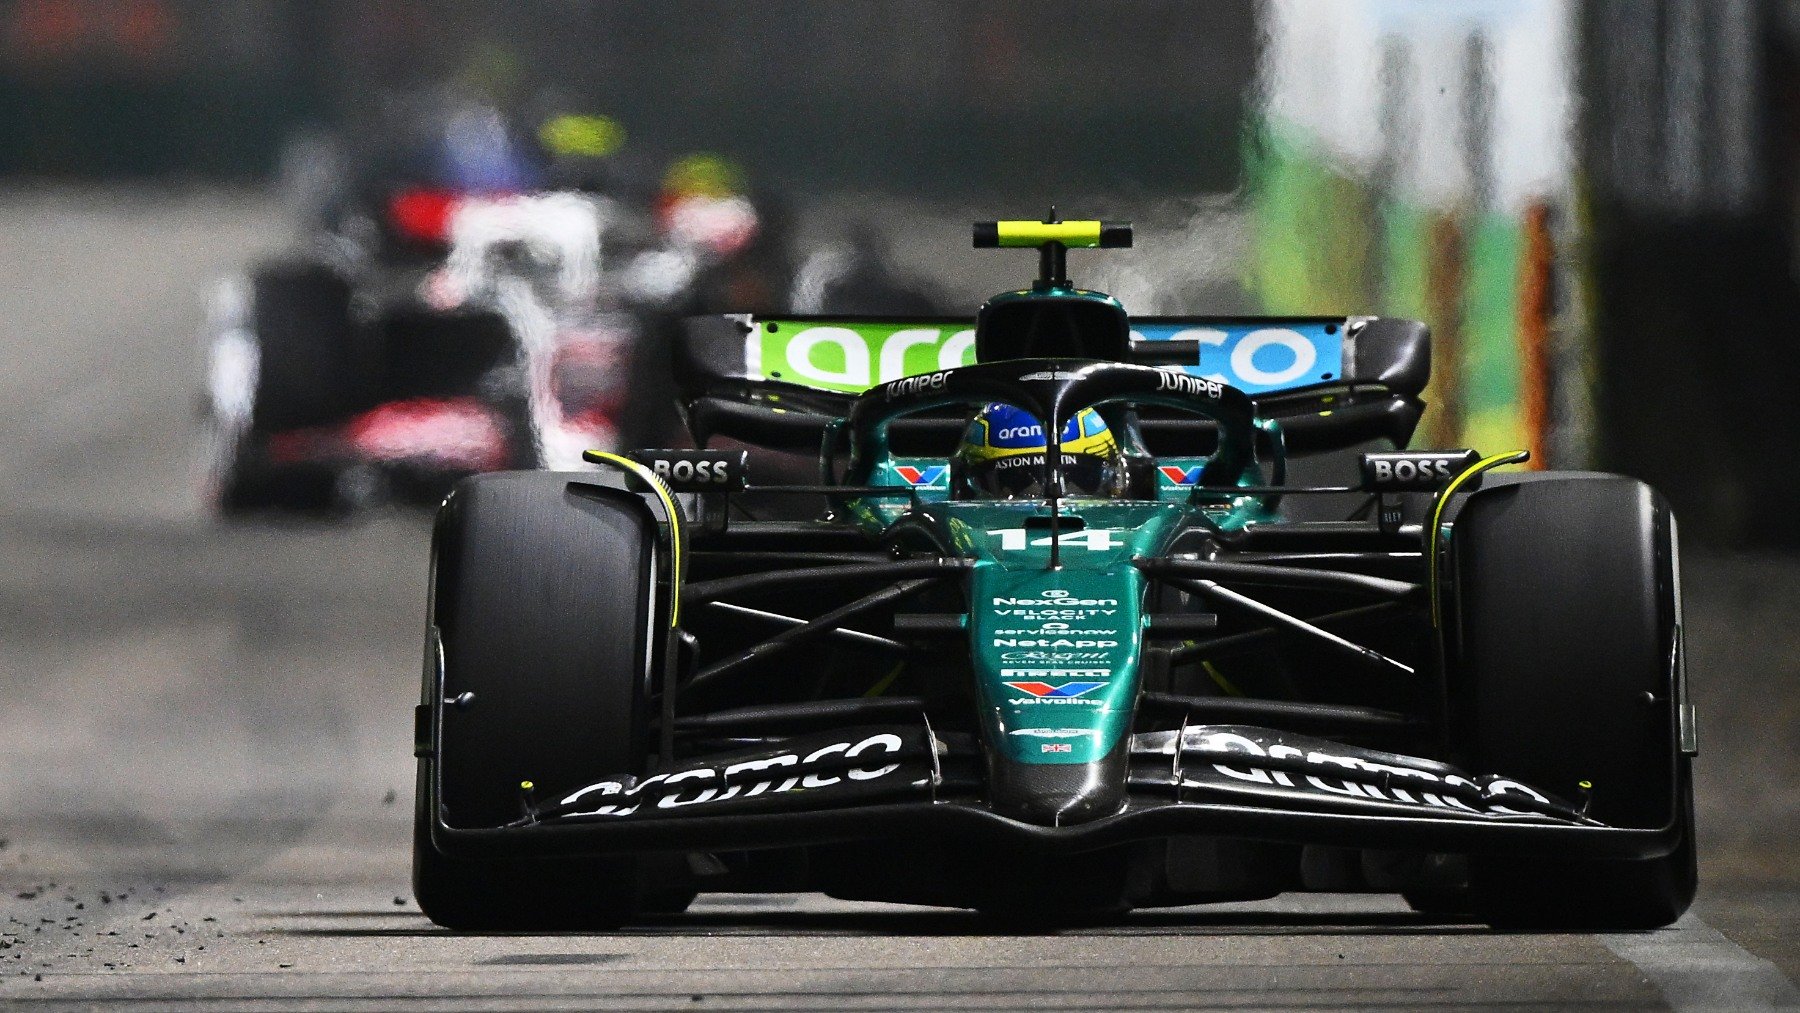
[[1292, 657]]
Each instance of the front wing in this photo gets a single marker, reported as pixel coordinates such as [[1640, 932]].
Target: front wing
[[888, 783]]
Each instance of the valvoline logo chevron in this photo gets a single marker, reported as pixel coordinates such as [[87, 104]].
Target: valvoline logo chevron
[[1064, 691], [920, 476], [1179, 475]]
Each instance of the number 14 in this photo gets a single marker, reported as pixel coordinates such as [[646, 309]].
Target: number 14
[[1098, 540]]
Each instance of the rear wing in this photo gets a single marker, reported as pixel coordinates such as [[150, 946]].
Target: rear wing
[[774, 381]]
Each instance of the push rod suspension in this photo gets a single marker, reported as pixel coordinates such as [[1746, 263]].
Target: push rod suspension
[[853, 636], [1278, 576], [1271, 614], [812, 630], [1188, 653], [702, 591]]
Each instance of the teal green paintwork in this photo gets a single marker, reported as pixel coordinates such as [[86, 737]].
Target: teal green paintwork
[[1063, 629], [878, 514], [1091, 630], [1056, 292]]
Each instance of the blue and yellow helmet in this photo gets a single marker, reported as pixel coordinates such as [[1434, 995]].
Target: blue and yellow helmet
[[1002, 456]]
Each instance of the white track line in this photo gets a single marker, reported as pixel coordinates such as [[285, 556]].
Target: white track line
[[1697, 968]]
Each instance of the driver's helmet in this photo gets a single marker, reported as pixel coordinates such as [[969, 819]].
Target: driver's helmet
[[1002, 456]]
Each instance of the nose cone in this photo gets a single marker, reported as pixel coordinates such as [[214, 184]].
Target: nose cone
[[1058, 794]]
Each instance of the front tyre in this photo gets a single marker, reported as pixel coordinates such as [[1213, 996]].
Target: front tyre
[[542, 604], [1568, 619]]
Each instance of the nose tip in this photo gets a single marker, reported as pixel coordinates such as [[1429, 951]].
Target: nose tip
[[1056, 809], [1058, 794]]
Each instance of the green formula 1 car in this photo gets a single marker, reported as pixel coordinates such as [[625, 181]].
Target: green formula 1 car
[[1081, 613]]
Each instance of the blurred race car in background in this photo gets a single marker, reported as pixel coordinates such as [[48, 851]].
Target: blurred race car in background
[[468, 299]]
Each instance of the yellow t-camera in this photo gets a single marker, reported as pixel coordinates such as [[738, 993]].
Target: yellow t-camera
[[1072, 235]]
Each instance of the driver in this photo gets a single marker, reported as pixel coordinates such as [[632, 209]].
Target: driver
[[1002, 456]]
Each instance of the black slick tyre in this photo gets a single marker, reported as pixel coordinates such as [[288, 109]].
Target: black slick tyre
[[310, 372], [543, 609], [300, 363], [1564, 671]]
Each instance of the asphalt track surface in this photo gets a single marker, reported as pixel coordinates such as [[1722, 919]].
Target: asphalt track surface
[[205, 779]]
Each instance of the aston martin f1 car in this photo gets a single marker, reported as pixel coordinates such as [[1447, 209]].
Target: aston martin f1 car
[[1084, 613]]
